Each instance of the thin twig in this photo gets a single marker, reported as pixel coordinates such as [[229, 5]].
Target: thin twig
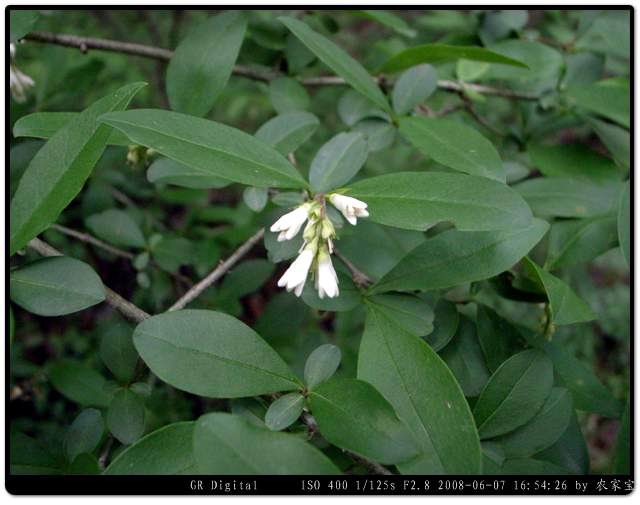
[[371, 466], [89, 239], [125, 307], [359, 277], [86, 43], [218, 272], [104, 455]]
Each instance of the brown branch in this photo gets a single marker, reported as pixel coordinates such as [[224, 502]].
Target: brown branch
[[373, 467], [361, 279], [218, 272], [125, 307], [86, 43], [89, 239]]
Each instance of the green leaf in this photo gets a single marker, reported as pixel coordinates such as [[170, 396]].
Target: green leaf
[[168, 171], [566, 306], [45, 125], [225, 444], [60, 168], [622, 459], [624, 222], [352, 415], [377, 133], [419, 200], [454, 257], [288, 131], [321, 364], [409, 312], [531, 466], [247, 277], [21, 22], [498, 338], [604, 98], [211, 354], [255, 198], [172, 252], [578, 241], [439, 53], [454, 145], [543, 430], [514, 393], [589, 394], [338, 60], [463, 356], [284, 411], [413, 87], [569, 197], [617, 140], [396, 23], [424, 394], [445, 324], [125, 417], [208, 147], [338, 161], [116, 227], [570, 450], [571, 160], [118, 353], [166, 451], [79, 383], [288, 95], [84, 434], [354, 107], [56, 286], [27, 456], [84, 464], [201, 65]]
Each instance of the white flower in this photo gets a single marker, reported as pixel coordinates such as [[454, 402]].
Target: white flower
[[19, 82], [351, 208], [296, 275], [326, 278], [289, 225]]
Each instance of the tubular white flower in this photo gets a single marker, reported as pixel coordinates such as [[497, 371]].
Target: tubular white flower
[[19, 82], [326, 277], [296, 275], [351, 208], [289, 225]]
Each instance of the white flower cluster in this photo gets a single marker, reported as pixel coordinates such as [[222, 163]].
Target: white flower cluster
[[19, 82], [318, 238]]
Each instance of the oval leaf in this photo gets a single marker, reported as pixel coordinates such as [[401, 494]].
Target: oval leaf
[[514, 393], [321, 364], [56, 286], [288, 95], [226, 444], [211, 354], [337, 161], [125, 417], [201, 65], [59, 170], [352, 415], [84, 434], [413, 87], [116, 227], [288, 131], [424, 394], [454, 257], [544, 429], [454, 145], [166, 451], [284, 411], [208, 147], [79, 383], [417, 201]]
